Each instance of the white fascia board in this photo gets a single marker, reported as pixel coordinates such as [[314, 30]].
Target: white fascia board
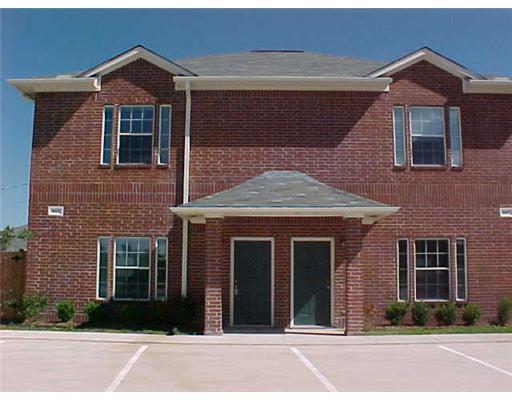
[[426, 55], [29, 87], [487, 86], [283, 83], [200, 213], [133, 55]]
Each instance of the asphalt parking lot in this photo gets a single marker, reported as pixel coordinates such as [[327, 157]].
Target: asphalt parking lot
[[59, 361]]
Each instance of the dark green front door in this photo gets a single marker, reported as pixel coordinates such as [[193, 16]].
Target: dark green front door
[[312, 283], [252, 282]]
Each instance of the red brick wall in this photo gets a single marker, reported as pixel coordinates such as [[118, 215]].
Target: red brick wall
[[342, 139]]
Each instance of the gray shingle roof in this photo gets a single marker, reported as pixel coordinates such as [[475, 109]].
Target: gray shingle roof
[[283, 189], [279, 63]]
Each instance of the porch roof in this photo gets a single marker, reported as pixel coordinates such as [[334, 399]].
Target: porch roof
[[284, 193]]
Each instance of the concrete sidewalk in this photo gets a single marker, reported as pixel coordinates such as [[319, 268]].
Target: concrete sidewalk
[[256, 339]]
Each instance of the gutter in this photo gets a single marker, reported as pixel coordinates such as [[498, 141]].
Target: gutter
[[314, 83], [186, 188]]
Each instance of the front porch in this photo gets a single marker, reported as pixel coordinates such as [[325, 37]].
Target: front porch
[[282, 250]]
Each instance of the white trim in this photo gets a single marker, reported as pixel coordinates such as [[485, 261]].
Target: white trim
[[160, 132], [29, 87], [398, 270], [312, 83], [403, 134], [186, 177], [124, 267], [155, 295], [410, 108], [200, 213], [497, 86], [103, 134], [433, 269], [459, 134], [428, 55], [457, 298], [132, 55], [119, 133], [332, 263], [232, 274], [506, 212], [98, 249]]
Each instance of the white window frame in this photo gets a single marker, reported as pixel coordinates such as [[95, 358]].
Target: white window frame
[[98, 249], [457, 270], [103, 134], [398, 270], [433, 269], [160, 131], [411, 135], [459, 134], [166, 267], [119, 133], [125, 267], [403, 134]]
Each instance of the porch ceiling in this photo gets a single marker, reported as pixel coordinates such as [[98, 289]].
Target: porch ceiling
[[285, 194]]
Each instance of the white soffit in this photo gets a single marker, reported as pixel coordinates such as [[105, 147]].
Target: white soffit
[[498, 86], [29, 87], [283, 83]]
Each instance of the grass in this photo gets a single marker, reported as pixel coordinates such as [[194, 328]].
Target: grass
[[436, 330], [88, 328]]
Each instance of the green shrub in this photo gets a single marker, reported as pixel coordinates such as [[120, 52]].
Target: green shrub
[[420, 313], [65, 310], [32, 305], [94, 311], [183, 311], [471, 314], [446, 314], [131, 313], [504, 310], [159, 313], [395, 312]]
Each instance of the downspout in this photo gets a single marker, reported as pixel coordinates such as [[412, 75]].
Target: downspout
[[186, 174]]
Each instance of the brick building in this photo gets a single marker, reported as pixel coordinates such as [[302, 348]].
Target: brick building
[[277, 188]]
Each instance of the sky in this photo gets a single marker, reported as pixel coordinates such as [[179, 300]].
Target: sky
[[41, 42]]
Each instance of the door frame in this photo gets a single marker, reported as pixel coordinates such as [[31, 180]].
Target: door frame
[[232, 274], [292, 279]]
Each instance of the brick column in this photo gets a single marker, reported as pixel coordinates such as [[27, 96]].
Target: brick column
[[354, 273], [213, 277]]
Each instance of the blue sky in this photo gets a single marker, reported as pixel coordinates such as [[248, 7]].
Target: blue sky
[[39, 42]]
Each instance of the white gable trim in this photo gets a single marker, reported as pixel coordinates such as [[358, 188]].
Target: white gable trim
[[425, 55], [29, 87], [132, 55], [498, 86]]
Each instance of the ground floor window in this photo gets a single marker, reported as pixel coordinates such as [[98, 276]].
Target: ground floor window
[[102, 268], [460, 247], [131, 268], [432, 258], [161, 269], [403, 269]]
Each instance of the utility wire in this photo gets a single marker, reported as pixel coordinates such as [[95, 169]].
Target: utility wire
[[14, 187]]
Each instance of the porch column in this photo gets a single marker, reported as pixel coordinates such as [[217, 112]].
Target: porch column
[[355, 290], [213, 277]]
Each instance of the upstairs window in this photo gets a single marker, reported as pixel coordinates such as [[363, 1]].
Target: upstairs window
[[164, 137], [106, 139], [427, 136], [399, 135], [455, 136], [131, 268], [135, 134], [432, 269]]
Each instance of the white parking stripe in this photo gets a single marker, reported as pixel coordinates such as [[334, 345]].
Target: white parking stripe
[[486, 364], [119, 378], [2, 341], [328, 385]]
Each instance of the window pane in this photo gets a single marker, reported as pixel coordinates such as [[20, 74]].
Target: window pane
[[161, 268], [432, 282], [102, 267], [455, 137], [427, 121], [132, 284], [399, 135], [135, 149], [427, 150], [403, 266], [164, 134], [432, 285], [461, 269]]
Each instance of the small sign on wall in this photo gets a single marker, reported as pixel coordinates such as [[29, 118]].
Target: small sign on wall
[[506, 212], [56, 211]]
